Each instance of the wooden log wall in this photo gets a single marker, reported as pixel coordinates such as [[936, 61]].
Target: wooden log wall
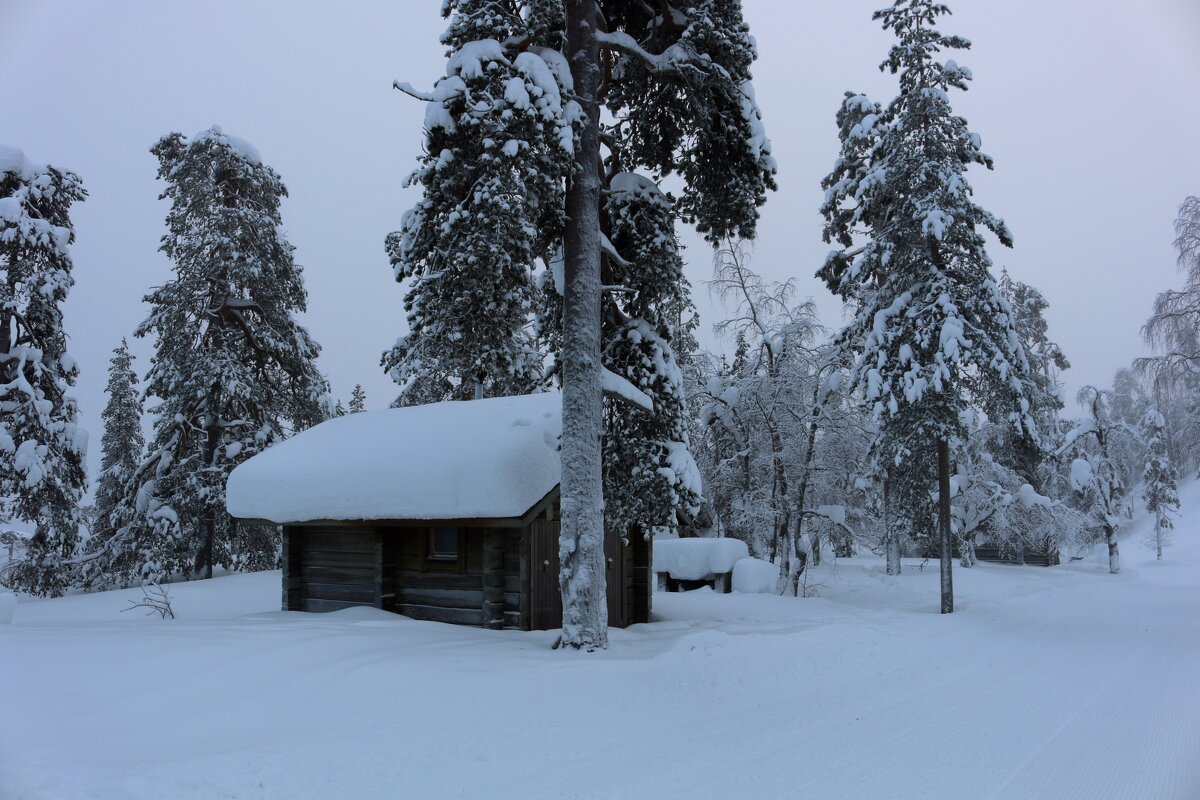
[[325, 569], [1029, 556], [293, 594], [493, 578], [339, 569]]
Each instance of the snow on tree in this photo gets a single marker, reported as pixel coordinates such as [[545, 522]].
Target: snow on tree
[[42, 446], [932, 332], [513, 175], [232, 372], [980, 490], [499, 140], [768, 418], [339, 409], [1174, 330], [1097, 447], [121, 444], [358, 399], [676, 84], [1044, 389], [1159, 480]]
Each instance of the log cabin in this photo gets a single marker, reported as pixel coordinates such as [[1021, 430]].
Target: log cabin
[[446, 512]]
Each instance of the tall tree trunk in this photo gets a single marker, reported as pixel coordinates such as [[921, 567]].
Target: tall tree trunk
[[1114, 556], [213, 438], [805, 473], [1158, 536], [890, 537], [581, 544], [944, 526]]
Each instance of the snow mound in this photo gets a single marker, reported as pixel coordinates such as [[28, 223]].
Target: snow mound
[[492, 458], [755, 576], [697, 559]]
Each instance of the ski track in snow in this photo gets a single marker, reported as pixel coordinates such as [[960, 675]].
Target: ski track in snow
[[1046, 683]]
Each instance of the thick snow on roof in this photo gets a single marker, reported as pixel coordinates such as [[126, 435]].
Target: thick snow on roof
[[458, 460]]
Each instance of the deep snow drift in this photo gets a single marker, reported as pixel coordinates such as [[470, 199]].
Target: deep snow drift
[[1057, 683]]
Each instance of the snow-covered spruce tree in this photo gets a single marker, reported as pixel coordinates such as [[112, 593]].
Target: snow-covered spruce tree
[[42, 446], [510, 126], [232, 372], [1099, 447], [932, 333], [121, 444], [651, 483], [1159, 480], [1044, 389], [499, 141], [358, 399], [339, 409]]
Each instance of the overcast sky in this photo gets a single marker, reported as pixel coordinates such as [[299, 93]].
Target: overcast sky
[[1090, 109]]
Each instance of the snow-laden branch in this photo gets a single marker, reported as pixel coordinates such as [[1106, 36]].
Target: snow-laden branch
[[610, 250], [619, 388]]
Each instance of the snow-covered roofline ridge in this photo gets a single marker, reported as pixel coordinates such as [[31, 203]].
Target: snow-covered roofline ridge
[[481, 459]]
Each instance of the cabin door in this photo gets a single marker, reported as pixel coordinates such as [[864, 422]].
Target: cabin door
[[545, 602]]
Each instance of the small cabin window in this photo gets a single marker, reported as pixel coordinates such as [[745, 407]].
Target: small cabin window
[[443, 543]]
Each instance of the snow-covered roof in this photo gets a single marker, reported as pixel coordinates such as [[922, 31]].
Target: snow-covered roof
[[478, 459]]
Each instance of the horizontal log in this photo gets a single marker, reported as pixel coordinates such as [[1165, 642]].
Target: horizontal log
[[328, 559], [512, 619], [338, 543], [438, 580], [456, 616], [340, 591], [320, 606], [322, 573], [444, 598]]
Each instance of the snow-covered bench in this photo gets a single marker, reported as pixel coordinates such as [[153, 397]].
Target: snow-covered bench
[[683, 564]]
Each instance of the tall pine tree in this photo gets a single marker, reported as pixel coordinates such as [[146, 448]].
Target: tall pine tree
[[121, 444], [42, 446], [517, 119], [932, 333], [498, 143], [233, 372]]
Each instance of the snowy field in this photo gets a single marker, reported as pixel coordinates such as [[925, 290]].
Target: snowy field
[[1048, 683]]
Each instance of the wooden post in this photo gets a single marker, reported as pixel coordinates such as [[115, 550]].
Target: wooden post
[[493, 578], [944, 525]]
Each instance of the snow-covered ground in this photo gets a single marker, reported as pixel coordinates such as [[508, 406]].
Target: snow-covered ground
[[1047, 683]]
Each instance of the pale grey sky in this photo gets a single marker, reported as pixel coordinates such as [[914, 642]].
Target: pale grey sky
[[1091, 110]]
